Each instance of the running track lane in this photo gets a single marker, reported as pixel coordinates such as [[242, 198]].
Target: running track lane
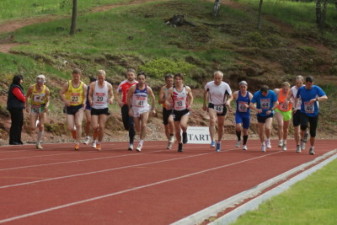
[[115, 186]]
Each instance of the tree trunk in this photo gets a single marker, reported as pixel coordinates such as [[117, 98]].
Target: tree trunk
[[259, 15], [321, 13], [73, 18]]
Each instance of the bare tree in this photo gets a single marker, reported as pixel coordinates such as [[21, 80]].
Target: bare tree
[[259, 15], [73, 18]]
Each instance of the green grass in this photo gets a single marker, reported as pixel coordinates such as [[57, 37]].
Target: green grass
[[311, 201], [18, 9]]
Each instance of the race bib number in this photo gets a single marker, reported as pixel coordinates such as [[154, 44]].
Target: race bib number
[[309, 107], [74, 99], [218, 108], [140, 103], [265, 104], [242, 107]]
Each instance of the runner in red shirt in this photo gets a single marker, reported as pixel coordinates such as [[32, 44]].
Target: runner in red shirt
[[122, 92]]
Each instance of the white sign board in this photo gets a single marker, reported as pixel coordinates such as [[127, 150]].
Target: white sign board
[[198, 135]]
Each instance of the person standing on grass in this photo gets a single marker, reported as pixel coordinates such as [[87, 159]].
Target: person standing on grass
[[121, 96], [139, 107], [87, 114], [167, 113], [182, 99], [15, 105], [242, 114], [310, 95], [100, 96], [264, 102], [217, 97], [283, 114], [38, 96], [73, 94], [297, 114]]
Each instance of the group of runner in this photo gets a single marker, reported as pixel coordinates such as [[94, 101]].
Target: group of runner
[[137, 101]]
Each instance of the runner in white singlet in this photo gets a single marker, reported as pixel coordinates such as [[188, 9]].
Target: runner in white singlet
[[100, 95], [218, 95], [139, 108]]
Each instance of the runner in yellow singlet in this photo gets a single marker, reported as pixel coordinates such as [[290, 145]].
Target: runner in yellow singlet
[[37, 105], [73, 94]]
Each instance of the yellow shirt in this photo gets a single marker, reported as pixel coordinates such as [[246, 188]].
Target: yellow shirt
[[38, 97], [75, 95]]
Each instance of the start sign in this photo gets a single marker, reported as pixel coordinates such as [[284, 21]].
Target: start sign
[[198, 135]]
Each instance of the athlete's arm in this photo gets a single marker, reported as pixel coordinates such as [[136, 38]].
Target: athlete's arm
[[111, 94], [62, 93], [189, 98], [204, 106], [153, 99], [47, 99], [29, 93]]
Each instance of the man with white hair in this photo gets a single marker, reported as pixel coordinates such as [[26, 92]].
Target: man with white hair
[[218, 95], [38, 96], [100, 96]]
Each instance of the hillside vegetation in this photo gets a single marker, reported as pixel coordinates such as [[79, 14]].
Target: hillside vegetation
[[137, 36]]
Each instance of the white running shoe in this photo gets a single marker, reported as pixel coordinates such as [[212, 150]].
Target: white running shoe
[[244, 148], [263, 148], [130, 147], [94, 144], [280, 143], [298, 149], [140, 146], [284, 147], [268, 144], [212, 144], [238, 144], [86, 140], [302, 145]]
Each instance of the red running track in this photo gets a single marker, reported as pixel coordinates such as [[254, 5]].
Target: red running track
[[115, 186]]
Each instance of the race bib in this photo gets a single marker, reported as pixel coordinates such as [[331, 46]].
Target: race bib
[[219, 108], [37, 98], [309, 107], [283, 106], [242, 107], [265, 104]]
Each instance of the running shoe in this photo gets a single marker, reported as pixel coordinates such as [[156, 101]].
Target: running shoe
[[98, 147], [212, 144], [312, 150], [302, 145], [284, 147], [268, 144], [180, 147], [245, 148], [77, 147], [305, 137], [39, 146], [238, 144], [298, 149], [169, 145], [140, 146], [94, 144], [263, 148], [280, 143], [218, 147], [184, 137], [87, 140], [130, 147]]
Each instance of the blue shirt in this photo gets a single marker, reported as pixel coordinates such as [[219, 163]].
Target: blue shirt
[[241, 102], [265, 103], [310, 109]]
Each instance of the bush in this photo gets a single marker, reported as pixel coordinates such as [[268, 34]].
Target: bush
[[157, 68]]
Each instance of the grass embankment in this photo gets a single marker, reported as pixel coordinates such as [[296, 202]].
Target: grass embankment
[[311, 201]]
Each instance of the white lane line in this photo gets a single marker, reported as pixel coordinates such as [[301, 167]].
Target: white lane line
[[36, 156], [98, 171], [131, 189]]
